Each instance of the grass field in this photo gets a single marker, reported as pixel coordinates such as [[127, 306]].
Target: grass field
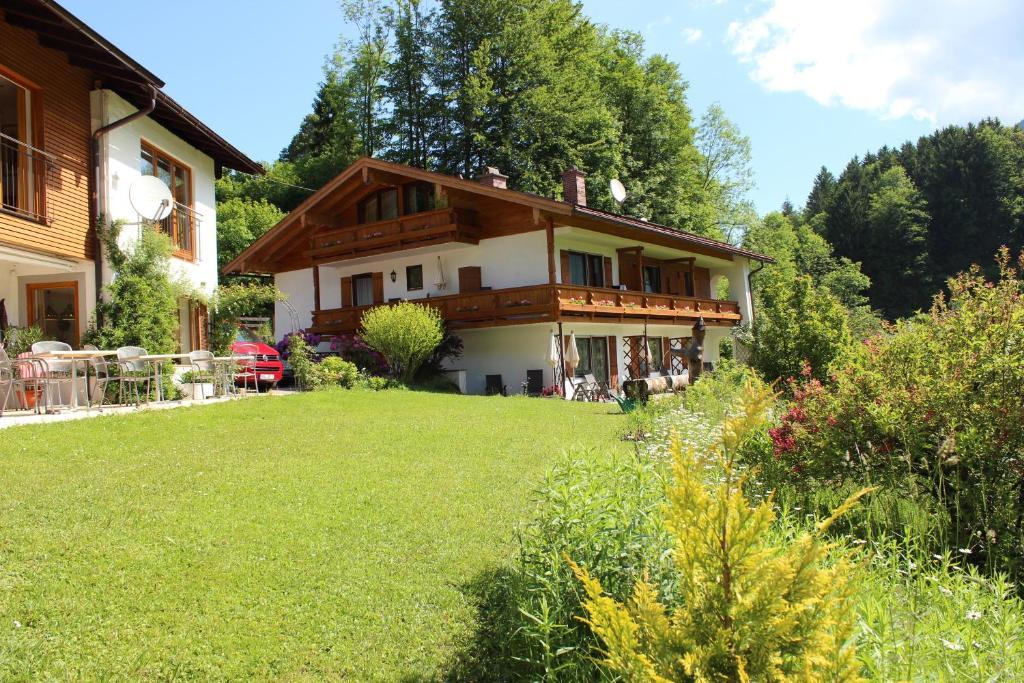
[[302, 537]]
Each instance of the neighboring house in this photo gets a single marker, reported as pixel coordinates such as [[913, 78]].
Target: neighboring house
[[79, 122], [505, 268]]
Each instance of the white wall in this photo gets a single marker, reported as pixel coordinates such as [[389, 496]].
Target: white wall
[[512, 350], [119, 158], [18, 270]]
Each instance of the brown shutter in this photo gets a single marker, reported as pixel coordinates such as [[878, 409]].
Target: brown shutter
[[613, 363], [608, 271], [666, 355], [702, 283], [470, 279], [346, 291], [564, 255], [378, 288]]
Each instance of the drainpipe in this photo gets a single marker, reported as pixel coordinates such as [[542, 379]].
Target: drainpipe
[[94, 196]]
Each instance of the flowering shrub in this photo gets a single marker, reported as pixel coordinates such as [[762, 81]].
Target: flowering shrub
[[934, 409]]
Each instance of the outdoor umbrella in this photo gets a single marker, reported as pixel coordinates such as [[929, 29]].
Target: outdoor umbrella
[[572, 354], [553, 351], [645, 354]]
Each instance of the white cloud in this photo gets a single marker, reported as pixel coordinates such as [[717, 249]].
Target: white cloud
[[935, 60], [692, 35], [658, 23]]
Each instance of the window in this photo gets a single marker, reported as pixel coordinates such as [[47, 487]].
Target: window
[[413, 278], [593, 357], [362, 290], [586, 269], [657, 354], [652, 279], [53, 308], [22, 168], [418, 197], [382, 205], [179, 226]]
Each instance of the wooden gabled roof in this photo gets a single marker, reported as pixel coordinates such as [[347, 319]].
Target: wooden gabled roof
[[58, 29], [366, 170]]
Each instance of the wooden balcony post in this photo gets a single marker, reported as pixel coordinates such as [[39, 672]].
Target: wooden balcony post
[[316, 288], [550, 230]]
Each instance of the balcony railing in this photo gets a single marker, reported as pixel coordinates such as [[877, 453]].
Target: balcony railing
[[25, 173], [544, 303], [414, 230]]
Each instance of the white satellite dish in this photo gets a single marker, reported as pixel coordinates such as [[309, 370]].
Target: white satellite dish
[[618, 190], [151, 198]]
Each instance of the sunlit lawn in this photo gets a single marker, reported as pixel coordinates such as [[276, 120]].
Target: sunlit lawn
[[309, 536]]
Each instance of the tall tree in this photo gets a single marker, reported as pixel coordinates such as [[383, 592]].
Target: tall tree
[[821, 193], [407, 87], [725, 171]]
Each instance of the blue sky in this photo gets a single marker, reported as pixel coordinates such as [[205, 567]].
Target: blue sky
[[811, 82]]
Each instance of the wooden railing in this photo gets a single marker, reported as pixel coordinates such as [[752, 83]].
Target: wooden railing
[[417, 229], [543, 303]]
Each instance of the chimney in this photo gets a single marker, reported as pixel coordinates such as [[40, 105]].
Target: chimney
[[574, 186], [492, 177]]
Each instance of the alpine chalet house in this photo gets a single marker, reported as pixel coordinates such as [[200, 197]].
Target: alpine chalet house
[[80, 123], [506, 269]]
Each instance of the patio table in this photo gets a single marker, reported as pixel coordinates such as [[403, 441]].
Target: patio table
[[75, 357]]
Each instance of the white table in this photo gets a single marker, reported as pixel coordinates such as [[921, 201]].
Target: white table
[[156, 359], [74, 357]]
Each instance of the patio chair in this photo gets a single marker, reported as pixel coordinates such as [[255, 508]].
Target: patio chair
[[598, 390], [204, 367], [133, 373], [19, 376], [100, 378], [243, 367], [55, 372], [580, 389]]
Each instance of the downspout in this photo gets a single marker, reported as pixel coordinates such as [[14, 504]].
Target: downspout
[[94, 196]]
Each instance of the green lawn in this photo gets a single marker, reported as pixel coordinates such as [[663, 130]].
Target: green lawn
[[309, 536]]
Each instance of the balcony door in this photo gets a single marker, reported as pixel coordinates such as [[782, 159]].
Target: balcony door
[[17, 155], [53, 308], [593, 357]]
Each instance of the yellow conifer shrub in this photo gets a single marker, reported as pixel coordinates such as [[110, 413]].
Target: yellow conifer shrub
[[749, 608]]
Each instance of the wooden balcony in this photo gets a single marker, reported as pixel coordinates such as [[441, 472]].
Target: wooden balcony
[[415, 230], [549, 303]]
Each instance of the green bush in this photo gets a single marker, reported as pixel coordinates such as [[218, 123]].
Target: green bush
[[340, 371], [309, 375], [799, 324], [405, 333], [932, 412], [375, 383], [18, 340], [607, 514]]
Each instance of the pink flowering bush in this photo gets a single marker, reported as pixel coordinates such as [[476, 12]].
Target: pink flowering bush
[[933, 410]]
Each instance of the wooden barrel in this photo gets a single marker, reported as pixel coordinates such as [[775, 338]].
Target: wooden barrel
[[648, 386]]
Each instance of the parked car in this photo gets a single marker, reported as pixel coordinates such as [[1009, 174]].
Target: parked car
[[267, 364]]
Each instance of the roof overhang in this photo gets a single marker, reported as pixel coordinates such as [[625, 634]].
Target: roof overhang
[[366, 171], [58, 29]]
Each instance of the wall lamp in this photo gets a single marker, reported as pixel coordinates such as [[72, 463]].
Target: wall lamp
[[394, 276]]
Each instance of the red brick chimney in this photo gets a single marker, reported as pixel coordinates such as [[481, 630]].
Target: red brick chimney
[[492, 177], [574, 186]]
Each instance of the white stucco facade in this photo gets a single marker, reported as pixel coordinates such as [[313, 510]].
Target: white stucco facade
[[120, 152]]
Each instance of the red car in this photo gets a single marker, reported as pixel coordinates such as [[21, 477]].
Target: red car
[[267, 365]]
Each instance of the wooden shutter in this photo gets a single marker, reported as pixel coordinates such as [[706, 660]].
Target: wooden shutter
[[608, 271], [564, 256], [702, 283], [666, 355], [346, 291], [378, 288], [613, 363], [470, 279]]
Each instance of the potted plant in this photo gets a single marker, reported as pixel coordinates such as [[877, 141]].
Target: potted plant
[[196, 385]]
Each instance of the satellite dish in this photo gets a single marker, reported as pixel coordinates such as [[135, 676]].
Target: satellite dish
[[618, 190], [151, 198]]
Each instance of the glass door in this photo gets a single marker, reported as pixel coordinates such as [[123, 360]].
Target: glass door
[[593, 357], [53, 308]]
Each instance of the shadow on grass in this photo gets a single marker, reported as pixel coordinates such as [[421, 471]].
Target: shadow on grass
[[487, 655]]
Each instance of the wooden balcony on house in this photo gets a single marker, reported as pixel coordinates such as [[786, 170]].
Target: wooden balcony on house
[[414, 230], [549, 303]]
